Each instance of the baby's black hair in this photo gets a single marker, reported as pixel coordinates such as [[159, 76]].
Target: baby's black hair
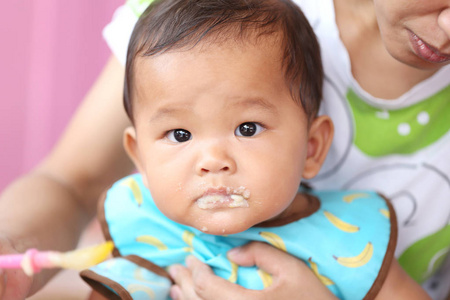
[[175, 24]]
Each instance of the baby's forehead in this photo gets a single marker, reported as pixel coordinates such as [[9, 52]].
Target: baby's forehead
[[214, 43], [232, 58], [231, 66]]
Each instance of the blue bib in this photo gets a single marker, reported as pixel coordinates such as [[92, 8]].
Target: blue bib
[[347, 240]]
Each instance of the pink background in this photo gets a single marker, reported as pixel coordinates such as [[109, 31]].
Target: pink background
[[51, 52]]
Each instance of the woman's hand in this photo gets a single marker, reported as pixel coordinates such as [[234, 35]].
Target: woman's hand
[[14, 284], [291, 277]]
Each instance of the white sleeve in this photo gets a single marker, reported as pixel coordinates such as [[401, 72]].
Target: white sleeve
[[312, 10], [118, 32]]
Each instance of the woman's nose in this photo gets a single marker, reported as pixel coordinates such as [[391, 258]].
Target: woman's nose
[[444, 21], [215, 158]]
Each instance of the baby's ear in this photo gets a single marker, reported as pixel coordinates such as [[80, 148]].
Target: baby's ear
[[131, 147], [320, 137]]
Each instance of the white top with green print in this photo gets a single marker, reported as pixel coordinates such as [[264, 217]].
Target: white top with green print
[[397, 147]]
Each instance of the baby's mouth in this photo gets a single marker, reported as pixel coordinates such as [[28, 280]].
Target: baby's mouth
[[223, 199]]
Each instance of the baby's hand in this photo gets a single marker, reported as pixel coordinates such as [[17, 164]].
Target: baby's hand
[[14, 284], [292, 279]]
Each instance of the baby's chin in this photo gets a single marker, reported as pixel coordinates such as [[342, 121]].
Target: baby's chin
[[223, 223], [222, 229]]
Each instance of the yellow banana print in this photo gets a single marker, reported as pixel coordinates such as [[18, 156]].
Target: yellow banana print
[[358, 260], [325, 280], [188, 237], [147, 239], [266, 278], [351, 197], [385, 213], [133, 288], [273, 239], [139, 276], [234, 270], [344, 226], [133, 185]]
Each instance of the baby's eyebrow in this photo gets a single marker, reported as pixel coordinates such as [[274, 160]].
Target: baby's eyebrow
[[242, 103], [258, 102], [168, 112]]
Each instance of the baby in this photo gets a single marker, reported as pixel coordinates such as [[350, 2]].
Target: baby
[[223, 97]]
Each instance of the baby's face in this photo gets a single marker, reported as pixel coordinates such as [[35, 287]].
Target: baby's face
[[220, 141]]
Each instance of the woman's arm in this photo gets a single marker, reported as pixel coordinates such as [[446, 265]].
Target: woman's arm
[[49, 207], [399, 285]]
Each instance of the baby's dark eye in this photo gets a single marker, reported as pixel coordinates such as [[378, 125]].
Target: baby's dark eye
[[179, 135], [248, 129]]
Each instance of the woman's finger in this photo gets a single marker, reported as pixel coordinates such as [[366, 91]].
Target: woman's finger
[[183, 289], [208, 286], [290, 276]]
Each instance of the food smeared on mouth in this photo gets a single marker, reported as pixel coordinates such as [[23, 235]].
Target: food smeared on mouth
[[223, 198]]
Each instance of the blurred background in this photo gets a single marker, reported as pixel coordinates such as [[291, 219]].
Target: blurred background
[[51, 52]]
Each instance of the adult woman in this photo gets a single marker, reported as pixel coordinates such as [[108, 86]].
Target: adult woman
[[417, 39]]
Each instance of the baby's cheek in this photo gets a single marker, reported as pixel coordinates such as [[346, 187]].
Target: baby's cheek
[[174, 212]]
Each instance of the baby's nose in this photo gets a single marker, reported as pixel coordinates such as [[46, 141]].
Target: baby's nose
[[215, 158]]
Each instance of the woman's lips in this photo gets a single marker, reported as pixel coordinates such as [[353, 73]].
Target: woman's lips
[[426, 51]]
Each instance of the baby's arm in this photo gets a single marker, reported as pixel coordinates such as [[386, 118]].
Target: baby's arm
[[399, 285]]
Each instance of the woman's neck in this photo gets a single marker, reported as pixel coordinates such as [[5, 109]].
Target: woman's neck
[[376, 71]]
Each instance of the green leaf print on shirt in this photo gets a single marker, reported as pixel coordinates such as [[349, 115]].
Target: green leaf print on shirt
[[138, 6], [425, 256], [403, 131]]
